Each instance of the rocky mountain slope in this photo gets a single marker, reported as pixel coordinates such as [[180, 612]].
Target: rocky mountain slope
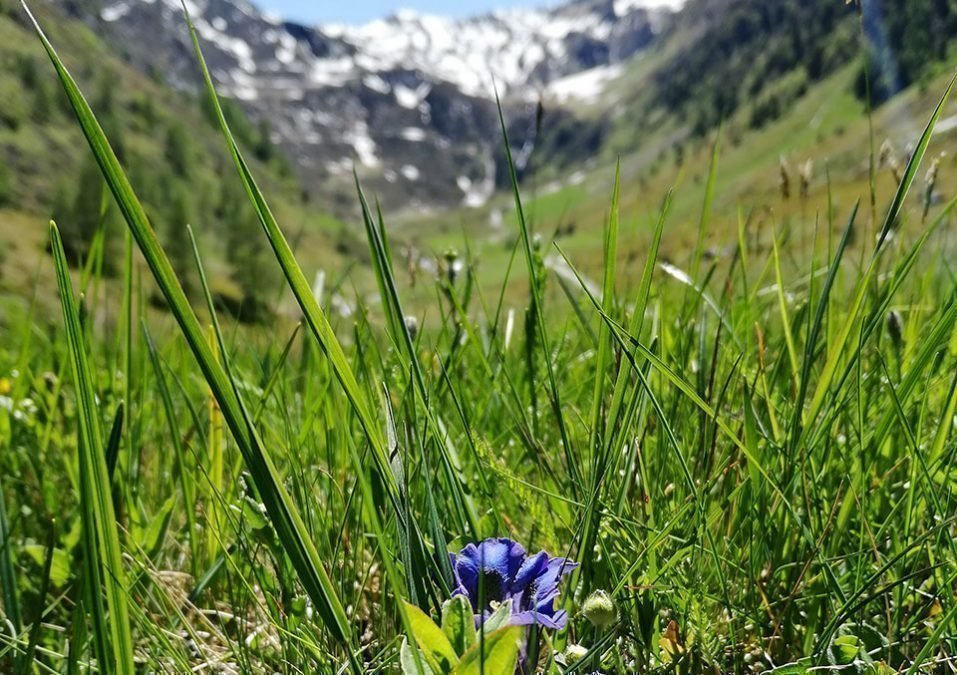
[[408, 99], [174, 156]]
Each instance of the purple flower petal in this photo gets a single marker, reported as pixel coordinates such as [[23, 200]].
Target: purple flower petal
[[503, 556], [554, 621], [467, 570], [530, 569], [547, 582], [499, 570]]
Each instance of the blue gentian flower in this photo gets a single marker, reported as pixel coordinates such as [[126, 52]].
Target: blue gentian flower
[[507, 573]]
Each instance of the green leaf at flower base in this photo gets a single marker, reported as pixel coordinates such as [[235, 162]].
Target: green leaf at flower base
[[497, 653], [438, 652], [499, 618], [410, 664], [150, 538], [60, 570], [458, 623], [846, 649]]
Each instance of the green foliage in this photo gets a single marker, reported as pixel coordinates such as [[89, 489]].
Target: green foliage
[[773, 104], [736, 445], [152, 130], [177, 150], [263, 148], [748, 45], [104, 580], [177, 216], [433, 643], [6, 184], [80, 214], [284, 516], [43, 102], [906, 39], [458, 623], [145, 108], [453, 649], [254, 273], [8, 584], [15, 105], [496, 653]]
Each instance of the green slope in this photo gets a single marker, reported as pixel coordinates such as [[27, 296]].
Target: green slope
[[827, 126], [170, 148]]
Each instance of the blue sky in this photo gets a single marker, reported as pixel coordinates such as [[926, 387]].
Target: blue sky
[[360, 11]]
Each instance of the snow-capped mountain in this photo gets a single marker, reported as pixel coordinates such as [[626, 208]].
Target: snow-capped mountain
[[408, 99]]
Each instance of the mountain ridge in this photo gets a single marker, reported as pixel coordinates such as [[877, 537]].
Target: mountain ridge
[[408, 100]]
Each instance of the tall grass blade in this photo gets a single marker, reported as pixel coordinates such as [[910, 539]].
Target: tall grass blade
[[815, 327], [322, 331], [706, 207], [8, 583], [104, 578], [182, 469], [913, 164], [301, 289], [835, 353], [379, 250], [114, 439], [35, 630], [574, 471]]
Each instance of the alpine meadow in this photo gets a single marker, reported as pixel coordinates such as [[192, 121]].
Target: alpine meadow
[[601, 337]]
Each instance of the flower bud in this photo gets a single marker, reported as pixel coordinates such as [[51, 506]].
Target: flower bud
[[453, 265], [574, 654], [600, 610], [412, 325]]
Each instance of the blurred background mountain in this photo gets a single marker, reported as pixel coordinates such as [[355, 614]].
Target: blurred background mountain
[[409, 102]]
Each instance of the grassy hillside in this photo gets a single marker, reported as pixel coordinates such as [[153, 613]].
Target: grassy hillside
[[817, 116], [166, 141], [824, 138]]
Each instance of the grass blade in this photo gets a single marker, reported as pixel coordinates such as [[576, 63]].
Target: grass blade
[[102, 561], [574, 471], [893, 214], [113, 444], [8, 585], [301, 289], [913, 164], [27, 657]]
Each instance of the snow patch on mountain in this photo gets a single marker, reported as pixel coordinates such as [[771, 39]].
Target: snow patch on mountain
[[115, 12], [400, 94], [504, 48], [587, 85], [358, 137], [623, 7]]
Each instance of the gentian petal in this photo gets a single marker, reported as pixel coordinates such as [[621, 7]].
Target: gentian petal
[[503, 556], [547, 582], [460, 588], [554, 621], [500, 569], [467, 571], [530, 569]]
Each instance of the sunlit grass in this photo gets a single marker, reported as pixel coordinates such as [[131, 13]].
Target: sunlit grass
[[750, 453]]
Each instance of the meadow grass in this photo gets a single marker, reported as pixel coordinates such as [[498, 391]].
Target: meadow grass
[[749, 454]]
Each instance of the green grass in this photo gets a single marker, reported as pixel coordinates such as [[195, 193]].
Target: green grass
[[752, 454], [827, 126]]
